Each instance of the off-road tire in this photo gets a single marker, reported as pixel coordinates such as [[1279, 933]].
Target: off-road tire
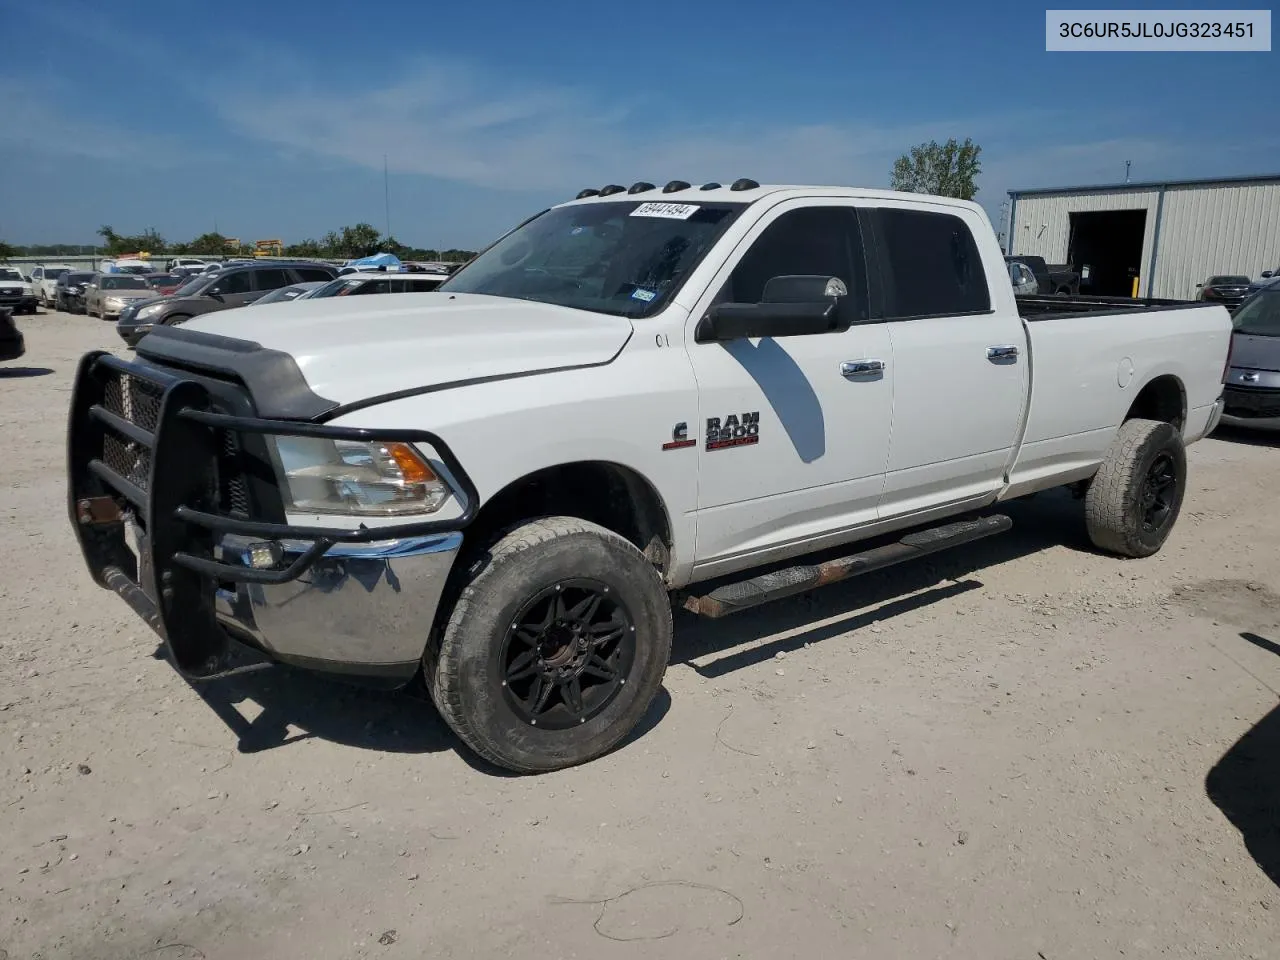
[[1113, 505], [460, 665]]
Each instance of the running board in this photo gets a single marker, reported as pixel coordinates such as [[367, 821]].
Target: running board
[[746, 594]]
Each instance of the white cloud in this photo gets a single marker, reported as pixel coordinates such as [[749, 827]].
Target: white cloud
[[445, 121]]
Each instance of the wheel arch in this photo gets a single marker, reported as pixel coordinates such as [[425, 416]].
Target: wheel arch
[[610, 494], [1164, 398]]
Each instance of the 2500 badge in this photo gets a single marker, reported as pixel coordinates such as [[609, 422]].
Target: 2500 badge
[[736, 430]]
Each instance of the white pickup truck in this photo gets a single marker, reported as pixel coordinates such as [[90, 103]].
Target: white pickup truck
[[635, 396]]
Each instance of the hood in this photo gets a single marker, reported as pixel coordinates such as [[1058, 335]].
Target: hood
[[354, 348], [128, 294], [1250, 352]]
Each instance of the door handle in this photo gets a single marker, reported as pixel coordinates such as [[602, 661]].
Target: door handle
[[853, 369], [1003, 352]]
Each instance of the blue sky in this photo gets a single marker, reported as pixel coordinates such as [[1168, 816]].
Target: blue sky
[[271, 119]]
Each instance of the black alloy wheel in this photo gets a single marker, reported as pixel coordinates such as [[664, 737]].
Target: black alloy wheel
[[566, 654]]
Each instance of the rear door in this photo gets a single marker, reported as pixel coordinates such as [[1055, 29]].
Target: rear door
[[960, 363], [266, 279]]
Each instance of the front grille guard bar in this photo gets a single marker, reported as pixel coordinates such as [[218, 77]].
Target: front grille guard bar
[[172, 460], [174, 416]]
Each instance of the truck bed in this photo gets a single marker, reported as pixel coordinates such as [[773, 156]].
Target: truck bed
[[1047, 308]]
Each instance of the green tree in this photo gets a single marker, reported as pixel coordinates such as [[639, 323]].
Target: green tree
[[305, 248], [362, 240], [149, 240], [207, 245], [945, 170], [7, 251]]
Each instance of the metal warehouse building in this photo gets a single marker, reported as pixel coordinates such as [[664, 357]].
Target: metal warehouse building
[[1167, 237]]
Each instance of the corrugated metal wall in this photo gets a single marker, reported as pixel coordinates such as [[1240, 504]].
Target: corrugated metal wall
[[1204, 229], [1208, 230], [1043, 223]]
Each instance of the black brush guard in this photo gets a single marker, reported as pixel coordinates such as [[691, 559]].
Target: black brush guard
[[183, 457]]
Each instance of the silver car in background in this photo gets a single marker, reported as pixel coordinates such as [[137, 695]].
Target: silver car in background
[[109, 293], [1252, 390]]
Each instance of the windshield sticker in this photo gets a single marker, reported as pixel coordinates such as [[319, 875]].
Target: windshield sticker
[[669, 211], [640, 293]]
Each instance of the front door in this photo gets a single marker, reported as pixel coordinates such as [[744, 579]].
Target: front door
[[235, 289], [793, 432], [960, 361]]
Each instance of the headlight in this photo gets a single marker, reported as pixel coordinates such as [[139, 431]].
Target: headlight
[[150, 310], [114, 302], [365, 478]]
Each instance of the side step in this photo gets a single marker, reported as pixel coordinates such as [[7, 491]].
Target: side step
[[746, 594]]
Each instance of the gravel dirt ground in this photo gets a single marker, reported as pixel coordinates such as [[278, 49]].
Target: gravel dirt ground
[[1019, 750]]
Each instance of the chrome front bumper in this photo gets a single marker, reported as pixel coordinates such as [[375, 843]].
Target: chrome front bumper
[[362, 609]]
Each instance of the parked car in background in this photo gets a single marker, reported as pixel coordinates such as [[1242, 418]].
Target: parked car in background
[[17, 293], [69, 293], [1057, 279], [176, 262], [1228, 290], [12, 345], [163, 283], [362, 284], [1024, 281], [295, 291], [234, 285], [1252, 392], [1265, 279], [45, 278], [109, 293]]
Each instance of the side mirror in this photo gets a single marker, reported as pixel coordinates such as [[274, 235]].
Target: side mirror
[[1199, 285], [1266, 274], [790, 306], [216, 294]]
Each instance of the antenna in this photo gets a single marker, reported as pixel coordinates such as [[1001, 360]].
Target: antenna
[[386, 193]]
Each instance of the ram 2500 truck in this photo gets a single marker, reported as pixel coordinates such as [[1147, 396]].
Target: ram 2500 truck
[[636, 396]]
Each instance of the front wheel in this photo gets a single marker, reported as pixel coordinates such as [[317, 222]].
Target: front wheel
[[1134, 499], [555, 648], [176, 320]]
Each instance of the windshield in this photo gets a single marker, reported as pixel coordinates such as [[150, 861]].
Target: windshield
[[193, 286], [123, 283], [1228, 281], [625, 258], [1260, 316], [8, 273], [161, 280], [336, 288], [70, 278]]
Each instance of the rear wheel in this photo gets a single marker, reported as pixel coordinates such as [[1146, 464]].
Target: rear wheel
[[555, 648], [1136, 496]]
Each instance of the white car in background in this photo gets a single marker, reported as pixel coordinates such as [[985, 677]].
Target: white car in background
[[44, 280], [185, 262], [367, 282]]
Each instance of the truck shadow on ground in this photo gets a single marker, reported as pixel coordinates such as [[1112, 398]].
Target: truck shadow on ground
[[22, 373], [1245, 783], [1051, 519], [283, 705], [280, 706]]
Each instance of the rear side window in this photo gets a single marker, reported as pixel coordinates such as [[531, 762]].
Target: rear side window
[[312, 275], [374, 286], [271, 279], [931, 265]]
